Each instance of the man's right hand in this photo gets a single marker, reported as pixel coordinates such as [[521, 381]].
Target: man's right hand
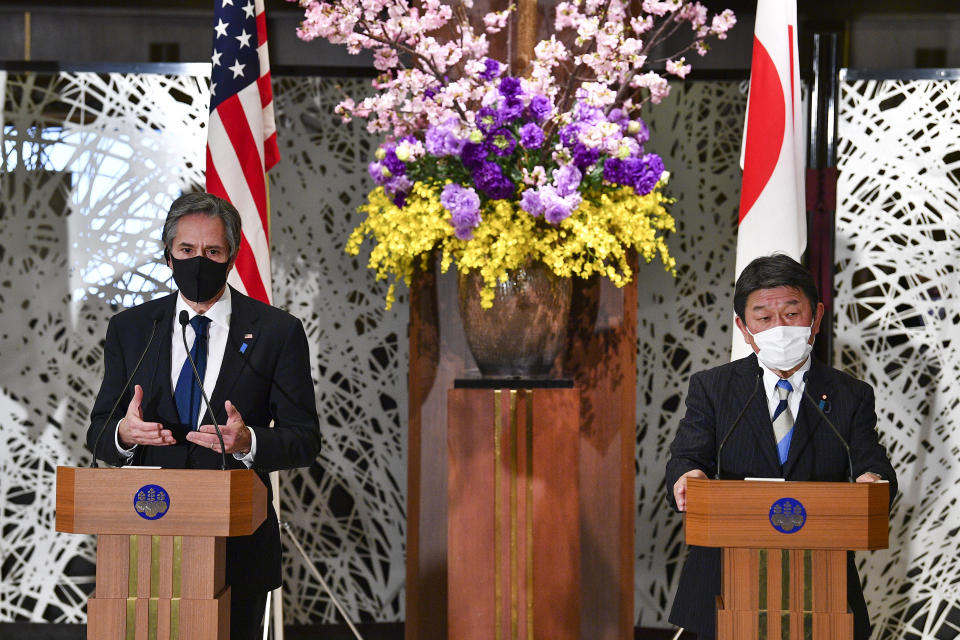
[[680, 487], [132, 430]]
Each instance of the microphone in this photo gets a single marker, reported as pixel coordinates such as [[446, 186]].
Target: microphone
[[846, 447], [756, 385], [184, 321], [113, 409]]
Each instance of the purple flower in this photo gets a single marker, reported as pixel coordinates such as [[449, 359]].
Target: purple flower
[[502, 142], [393, 163], [398, 184], [557, 207], [540, 108], [489, 178], [463, 203], [583, 156], [511, 109], [442, 140], [531, 136], [375, 169], [510, 87], [567, 179], [585, 113], [487, 119], [530, 202], [472, 155], [613, 171], [492, 69], [649, 174], [638, 128], [569, 133]]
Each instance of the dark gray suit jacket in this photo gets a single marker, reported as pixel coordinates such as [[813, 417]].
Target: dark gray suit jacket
[[268, 380], [713, 401]]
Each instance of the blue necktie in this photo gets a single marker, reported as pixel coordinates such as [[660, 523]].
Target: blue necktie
[[783, 421], [187, 394]]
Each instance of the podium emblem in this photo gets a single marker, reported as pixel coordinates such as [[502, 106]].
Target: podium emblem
[[787, 515], [151, 502]]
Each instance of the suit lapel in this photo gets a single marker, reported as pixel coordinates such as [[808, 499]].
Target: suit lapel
[[757, 415], [164, 391], [241, 340]]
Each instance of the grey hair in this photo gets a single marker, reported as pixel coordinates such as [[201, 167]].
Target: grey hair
[[209, 205]]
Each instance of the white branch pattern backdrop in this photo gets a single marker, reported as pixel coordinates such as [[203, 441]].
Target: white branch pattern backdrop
[[92, 161]]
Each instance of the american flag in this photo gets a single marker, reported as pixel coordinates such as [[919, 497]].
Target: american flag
[[242, 134]]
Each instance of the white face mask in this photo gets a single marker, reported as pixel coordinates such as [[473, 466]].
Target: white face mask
[[784, 347]]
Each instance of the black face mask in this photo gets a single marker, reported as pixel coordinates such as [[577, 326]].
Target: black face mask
[[199, 278]]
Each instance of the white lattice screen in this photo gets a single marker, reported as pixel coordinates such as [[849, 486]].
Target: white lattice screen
[[91, 163]]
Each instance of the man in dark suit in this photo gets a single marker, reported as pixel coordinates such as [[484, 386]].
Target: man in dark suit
[[255, 366], [779, 313]]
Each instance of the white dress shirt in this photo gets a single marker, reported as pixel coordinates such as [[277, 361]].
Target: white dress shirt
[[217, 332], [770, 380]]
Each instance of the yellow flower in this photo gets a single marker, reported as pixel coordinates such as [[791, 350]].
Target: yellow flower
[[594, 240]]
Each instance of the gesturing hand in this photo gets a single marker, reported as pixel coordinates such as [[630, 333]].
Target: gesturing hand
[[132, 430], [236, 435]]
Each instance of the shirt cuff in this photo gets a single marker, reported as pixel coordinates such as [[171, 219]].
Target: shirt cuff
[[247, 458], [126, 453]]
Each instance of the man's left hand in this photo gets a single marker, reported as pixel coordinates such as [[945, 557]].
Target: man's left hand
[[236, 436], [869, 477]]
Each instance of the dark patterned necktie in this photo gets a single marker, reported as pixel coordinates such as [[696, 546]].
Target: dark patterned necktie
[[187, 394]]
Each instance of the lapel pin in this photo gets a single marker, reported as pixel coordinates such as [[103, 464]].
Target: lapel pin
[[243, 347], [824, 404]]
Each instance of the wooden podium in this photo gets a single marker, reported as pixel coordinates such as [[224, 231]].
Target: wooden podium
[[161, 546], [785, 551]]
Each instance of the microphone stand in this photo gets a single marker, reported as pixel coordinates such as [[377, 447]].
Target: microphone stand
[[184, 321]]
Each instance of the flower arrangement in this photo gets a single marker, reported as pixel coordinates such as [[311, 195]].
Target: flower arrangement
[[494, 166]]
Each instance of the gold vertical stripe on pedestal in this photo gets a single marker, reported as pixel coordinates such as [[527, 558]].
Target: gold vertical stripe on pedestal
[[154, 566], [807, 594], [785, 580], [132, 569], [175, 592], [514, 559], [175, 619], [152, 620], [177, 564], [528, 477], [131, 624], [762, 595], [497, 577]]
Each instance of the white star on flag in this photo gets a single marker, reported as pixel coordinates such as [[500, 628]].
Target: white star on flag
[[226, 2], [221, 28], [243, 39], [249, 9], [215, 58], [237, 69]]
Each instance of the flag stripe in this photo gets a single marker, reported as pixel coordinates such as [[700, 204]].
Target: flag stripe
[[241, 136]]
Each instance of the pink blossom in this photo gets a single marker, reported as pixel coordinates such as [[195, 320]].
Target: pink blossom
[[567, 16], [657, 85], [722, 23], [496, 21], [678, 68]]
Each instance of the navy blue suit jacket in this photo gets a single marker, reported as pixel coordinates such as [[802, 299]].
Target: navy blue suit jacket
[[268, 380], [713, 401]]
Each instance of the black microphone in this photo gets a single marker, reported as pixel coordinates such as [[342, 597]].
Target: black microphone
[[756, 385], [184, 321], [103, 427], [846, 447]]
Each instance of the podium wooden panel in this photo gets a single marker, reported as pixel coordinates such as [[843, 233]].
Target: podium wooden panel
[[514, 504], [789, 583], [160, 578]]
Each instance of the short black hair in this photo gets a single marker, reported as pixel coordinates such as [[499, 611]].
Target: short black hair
[[209, 205], [770, 272]]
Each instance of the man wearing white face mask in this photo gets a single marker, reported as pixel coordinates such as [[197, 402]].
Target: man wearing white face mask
[[779, 433]]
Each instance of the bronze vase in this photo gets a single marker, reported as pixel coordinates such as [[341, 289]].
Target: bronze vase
[[525, 330]]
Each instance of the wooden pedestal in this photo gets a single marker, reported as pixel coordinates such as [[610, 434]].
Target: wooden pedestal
[[160, 578], [789, 583], [513, 509]]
